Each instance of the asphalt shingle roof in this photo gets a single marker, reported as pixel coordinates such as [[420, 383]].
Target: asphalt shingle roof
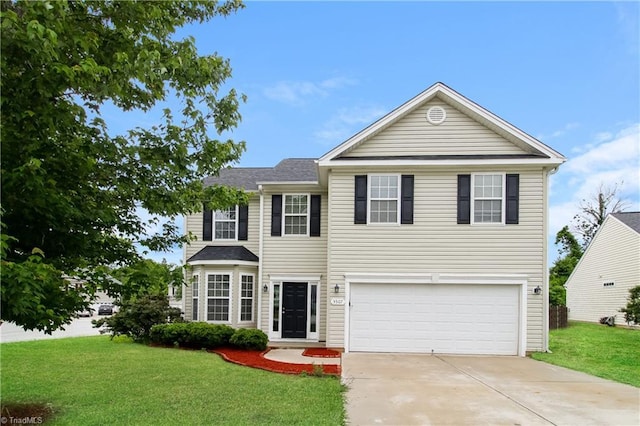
[[631, 219], [224, 253], [288, 170]]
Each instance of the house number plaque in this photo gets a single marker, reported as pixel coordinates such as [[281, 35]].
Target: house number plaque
[[337, 301]]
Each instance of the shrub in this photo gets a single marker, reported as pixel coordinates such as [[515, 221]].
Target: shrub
[[249, 338], [196, 335], [632, 311], [135, 318]]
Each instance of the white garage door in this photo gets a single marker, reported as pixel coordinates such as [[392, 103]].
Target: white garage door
[[453, 319]]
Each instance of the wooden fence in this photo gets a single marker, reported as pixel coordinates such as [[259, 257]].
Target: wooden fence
[[558, 317]]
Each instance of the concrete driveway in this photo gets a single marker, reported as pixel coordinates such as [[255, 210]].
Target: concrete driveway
[[416, 389]]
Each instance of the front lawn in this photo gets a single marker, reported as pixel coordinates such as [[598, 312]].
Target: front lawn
[[609, 352], [93, 380]]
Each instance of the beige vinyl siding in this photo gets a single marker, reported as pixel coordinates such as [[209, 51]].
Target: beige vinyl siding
[[414, 135], [295, 255], [194, 225], [435, 243], [613, 256]]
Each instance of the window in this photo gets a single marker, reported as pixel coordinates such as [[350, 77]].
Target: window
[[225, 224], [218, 296], [314, 309], [383, 199], [296, 208], [487, 195], [195, 290], [246, 298], [276, 308]]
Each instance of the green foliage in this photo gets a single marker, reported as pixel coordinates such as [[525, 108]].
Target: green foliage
[[72, 187], [632, 311], [563, 266], [196, 335], [147, 277], [39, 297], [135, 318], [249, 338]]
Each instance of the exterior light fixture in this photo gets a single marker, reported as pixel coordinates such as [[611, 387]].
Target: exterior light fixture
[[336, 289], [265, 288], [537, 290]]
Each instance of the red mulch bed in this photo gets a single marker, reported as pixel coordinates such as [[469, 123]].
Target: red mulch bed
[[256, 359], [321, 353]]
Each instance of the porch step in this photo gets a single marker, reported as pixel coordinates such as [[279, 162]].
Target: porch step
[[296, 345]]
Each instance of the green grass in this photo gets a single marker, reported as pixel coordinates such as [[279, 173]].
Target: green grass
[[94, 381], [608, 352]]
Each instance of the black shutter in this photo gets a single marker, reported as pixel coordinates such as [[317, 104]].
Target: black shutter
[[314, 227], [360, 212], [513, 199], [406, 206], [243, 223], [276, 215], [207, 225], [464, 199]]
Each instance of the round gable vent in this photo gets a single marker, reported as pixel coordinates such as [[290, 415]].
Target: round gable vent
[[436, 115]]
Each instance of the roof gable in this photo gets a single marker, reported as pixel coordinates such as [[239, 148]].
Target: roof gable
[[503, 138]]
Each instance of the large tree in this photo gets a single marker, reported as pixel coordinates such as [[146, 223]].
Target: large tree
[[595, 209], [559, 273], [72, 190]]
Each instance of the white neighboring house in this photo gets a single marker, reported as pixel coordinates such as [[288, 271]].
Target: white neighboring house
[[599, 285]]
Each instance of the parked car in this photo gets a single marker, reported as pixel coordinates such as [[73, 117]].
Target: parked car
[[105, 310], [86, 313]]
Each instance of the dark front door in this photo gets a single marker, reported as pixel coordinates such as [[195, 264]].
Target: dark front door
[[294, 310]]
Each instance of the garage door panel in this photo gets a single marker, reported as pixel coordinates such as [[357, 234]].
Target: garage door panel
[[459, 319]]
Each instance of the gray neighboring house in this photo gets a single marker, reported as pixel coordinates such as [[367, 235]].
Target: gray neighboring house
[[599, 285], [424, 232]]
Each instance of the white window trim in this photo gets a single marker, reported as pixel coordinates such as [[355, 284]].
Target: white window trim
[[284, 214], [213, 226], [206, 297], [502, 199], [195, 284], [398, 199], [241, 298]]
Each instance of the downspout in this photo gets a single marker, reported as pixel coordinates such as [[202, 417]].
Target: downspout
[[545, 287], [260, 244]]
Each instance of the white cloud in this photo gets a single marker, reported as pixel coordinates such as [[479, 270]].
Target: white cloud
[[609, 160], [622, 152], [297, 92], [561, 132], [346, 122]]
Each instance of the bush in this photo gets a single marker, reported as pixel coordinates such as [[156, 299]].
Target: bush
[[136, 318], [632, 311], [196, 335], [249, 338]]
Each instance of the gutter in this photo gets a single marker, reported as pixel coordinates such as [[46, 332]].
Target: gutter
[[545, 292]]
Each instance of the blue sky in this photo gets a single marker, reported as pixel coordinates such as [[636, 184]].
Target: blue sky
[[566, 73]]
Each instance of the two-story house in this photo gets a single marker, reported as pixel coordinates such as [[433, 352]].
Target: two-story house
[[424, 232]]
